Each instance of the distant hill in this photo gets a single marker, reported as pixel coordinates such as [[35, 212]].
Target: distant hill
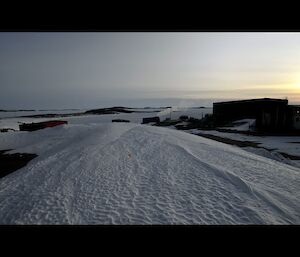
[[111, 110], [17, 110]]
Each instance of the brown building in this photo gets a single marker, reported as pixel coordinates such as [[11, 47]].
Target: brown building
[[151, 119], [270, 114]]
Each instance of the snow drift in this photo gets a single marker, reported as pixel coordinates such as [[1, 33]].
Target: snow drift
[[135, 174]]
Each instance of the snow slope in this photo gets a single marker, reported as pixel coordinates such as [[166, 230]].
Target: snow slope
[[128, 173], [242, 125]]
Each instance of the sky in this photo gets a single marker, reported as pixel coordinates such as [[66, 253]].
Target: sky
[[101, 69]]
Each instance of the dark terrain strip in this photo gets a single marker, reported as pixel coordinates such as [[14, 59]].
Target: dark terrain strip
[[244, 144], [230, 141]]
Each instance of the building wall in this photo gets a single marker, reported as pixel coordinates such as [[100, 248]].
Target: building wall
[[270, 114], [296, 117], [224, 113]]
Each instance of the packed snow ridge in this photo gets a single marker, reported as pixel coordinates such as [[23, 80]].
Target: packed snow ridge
[[136, 174]]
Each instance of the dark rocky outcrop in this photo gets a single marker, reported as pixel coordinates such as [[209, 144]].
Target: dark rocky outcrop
[[11, 162]]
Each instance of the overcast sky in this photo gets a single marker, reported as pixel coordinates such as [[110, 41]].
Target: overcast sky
[[84, 70]]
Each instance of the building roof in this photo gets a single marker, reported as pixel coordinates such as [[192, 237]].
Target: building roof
[[254, 100]]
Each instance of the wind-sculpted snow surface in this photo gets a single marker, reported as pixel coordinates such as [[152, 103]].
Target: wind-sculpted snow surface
[[136, 174]]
